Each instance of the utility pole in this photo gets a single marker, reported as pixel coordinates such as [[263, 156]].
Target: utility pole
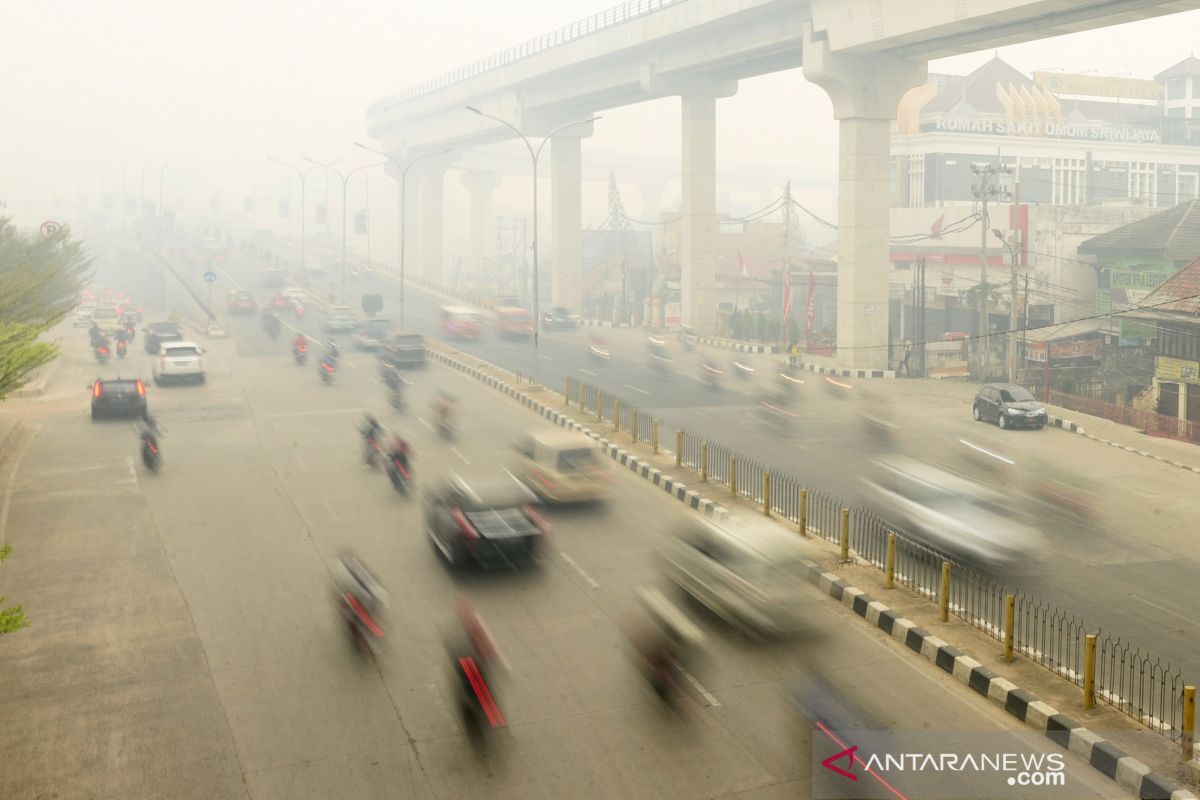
[[1016, 254], [787, 262], [983, 191], [1025, 316], [618, 224]]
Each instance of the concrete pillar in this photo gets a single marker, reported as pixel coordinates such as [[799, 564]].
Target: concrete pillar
[[566, 221], [481, 185], [865, 90], [698, 213], [431, 204]]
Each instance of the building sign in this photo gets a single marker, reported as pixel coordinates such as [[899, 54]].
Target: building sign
[[1142, 281], [1177, 369], [1060, 130], [1099, 86], [1129, 281], [1036, 351]]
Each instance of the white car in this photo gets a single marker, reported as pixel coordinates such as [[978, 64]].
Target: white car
[[340, 320], [179, 361], [83, 315]]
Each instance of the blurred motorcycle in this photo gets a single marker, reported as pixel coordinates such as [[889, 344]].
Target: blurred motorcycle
[[102, 353], [398, 474], [711, 375], [327, 369], [742, 368], [300, 353], [667, 645], [121, 348]]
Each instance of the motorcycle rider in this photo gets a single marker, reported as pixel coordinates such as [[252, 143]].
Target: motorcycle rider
[[372, 433], [667, 643], [398, 452], [331, 348], [361, 600], [299, 344], [476, 661]]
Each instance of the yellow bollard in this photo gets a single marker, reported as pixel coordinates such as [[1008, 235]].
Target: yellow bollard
[[679, 448], [944, 597], [766, 507], [733, 475], [1189, 723], [599, 405], [617, 414], [654, 434], [1089, 671], [1010, 624], [845, 535], [567, 392], [890, 564], [704, 462], [633, 426], [803, 512]]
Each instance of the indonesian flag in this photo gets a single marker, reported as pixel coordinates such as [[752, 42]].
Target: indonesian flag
[[787, 293], [742, 266]]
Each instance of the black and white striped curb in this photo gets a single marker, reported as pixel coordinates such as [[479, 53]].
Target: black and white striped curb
[[845, 372], [1074, 427], [1126, 771], [671, 486], [741, 347]]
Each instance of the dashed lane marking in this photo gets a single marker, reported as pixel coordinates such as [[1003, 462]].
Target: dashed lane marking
[[636, 389], [579, 569]]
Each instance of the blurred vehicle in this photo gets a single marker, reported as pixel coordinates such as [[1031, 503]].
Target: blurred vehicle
[[688, 340], [241, 301], [513, 323], [362, 603], [117, 396], [107, 318], [1009, 406], [711, 374], [668, 644], [598, 349], [507, 301], [129, 321], [296, 306], [294, 295], [659, 358], [340, 319], [179, 361], [83, 315], [956, 516], [562, 467], [476, 662], [372, 334], [1062, 492], [122, 348], [559, 318], [487, 519], [270, 323], [405, 350], [461, 322], [274, 278], [158, 333], [327, 369], [444, 407], [148, 434], [749, 573], [101, 351], [742, 367], [876, 420], [300, 350]]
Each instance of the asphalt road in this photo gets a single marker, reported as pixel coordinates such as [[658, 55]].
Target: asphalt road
[[1131, 570], [185, 644]]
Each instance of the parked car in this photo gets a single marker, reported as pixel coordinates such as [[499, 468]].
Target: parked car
[[1009, 406], [405, 350], [83, 315], [488, 520], [751, 574], [116, 396], [179, 361], [157, 333], [559, 319], [241, 301], [340, 319], [372, 334], [562, 467]]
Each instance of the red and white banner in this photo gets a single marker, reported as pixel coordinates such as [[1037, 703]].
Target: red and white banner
[[742, 272], [787, 294]]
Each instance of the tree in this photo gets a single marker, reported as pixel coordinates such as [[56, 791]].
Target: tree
[[40, 281], [11, 619], [372, 303]]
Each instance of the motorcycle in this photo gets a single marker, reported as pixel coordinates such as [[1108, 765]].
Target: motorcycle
[[121, 348], [150, 455], [102, 353], [670, 641], [371, 450], [273, 329], [398, 475], [743, 370], [327, 369], [300, 353], [712, 376]]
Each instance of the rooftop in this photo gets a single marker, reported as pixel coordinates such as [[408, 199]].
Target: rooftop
[[1173, 234]]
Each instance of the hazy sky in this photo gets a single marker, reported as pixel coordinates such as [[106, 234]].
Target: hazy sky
[[86, 86]]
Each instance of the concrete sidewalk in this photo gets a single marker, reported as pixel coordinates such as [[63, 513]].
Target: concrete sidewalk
[[1104, 431]]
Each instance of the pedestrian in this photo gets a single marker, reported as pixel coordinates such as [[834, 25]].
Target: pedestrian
[[903, 368]]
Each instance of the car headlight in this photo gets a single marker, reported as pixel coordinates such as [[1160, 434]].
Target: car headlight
[[1013, 411]]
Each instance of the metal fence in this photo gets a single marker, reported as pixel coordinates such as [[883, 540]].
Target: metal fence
[[1142, 686]]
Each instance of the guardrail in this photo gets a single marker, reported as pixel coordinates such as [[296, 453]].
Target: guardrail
[[1135, 682], [568, 33]]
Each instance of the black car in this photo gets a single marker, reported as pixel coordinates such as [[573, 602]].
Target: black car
[[559, 318], [1009, 406], [159, 332], [405, 350], [488, 520], [118, 396]]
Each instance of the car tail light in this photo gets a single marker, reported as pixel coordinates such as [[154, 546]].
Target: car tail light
[[96, 389], [541, 478], [464, 526], [141, 389], [539, 522]]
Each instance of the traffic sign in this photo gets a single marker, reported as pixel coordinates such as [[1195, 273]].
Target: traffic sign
[[49, 228], [210, 276]]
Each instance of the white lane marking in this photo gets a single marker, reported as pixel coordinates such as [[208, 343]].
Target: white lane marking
[[1163, 608], [713, 702], [579, 569], [460, 455], [426, 424], [636, 389], [588, 372]]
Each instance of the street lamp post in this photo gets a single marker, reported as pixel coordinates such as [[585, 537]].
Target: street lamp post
[[161, 176], [403, 170], [533, 156], [303, 177], [345, 183]]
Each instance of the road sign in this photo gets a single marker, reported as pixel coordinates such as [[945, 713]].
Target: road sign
[[49, 228], [210, 276]]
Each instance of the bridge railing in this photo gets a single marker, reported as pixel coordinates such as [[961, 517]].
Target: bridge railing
[[568, 33]]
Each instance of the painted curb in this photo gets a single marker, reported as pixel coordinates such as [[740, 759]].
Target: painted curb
[[647, 471], [842, 372], [1127, 772], [1074, 427]]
